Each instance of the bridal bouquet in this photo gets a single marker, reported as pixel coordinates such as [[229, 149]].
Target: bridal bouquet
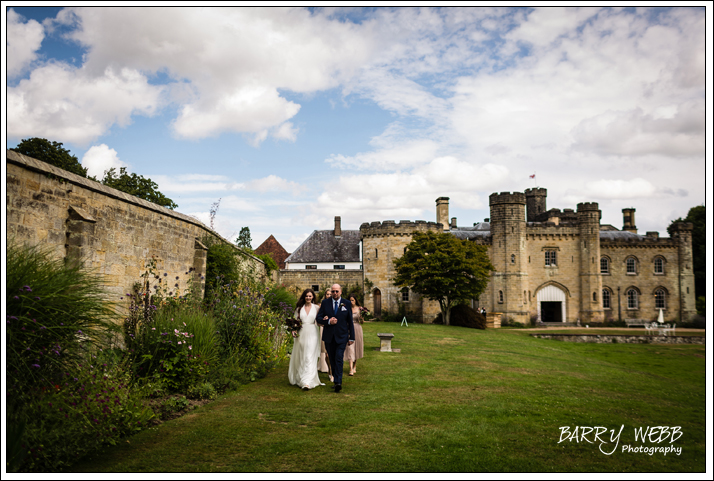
[[293, 325], [364, 314]]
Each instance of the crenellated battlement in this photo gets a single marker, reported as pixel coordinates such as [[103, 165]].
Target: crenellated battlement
[[588, 206], [404, 227], [507, 198]]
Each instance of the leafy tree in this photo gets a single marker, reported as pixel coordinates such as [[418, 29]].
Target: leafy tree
[[244, 239], [443, 268], [697, 216], [51, 152], [138, 186]]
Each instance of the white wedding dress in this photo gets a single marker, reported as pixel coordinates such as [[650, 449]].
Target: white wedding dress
[[306, 351]]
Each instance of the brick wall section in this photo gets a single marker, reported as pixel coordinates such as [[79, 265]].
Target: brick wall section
[[113, 232]]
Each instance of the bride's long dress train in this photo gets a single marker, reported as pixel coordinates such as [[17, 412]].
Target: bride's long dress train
[[306, 352]]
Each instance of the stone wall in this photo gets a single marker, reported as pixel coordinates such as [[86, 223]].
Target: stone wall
[[301, 279], [114, 233]]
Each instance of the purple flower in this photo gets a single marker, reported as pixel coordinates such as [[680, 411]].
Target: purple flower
[[16, 298], [27, 288], [37, 366], [37, 298]]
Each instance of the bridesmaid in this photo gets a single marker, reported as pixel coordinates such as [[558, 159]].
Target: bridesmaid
[[324, 364], [356, 350]]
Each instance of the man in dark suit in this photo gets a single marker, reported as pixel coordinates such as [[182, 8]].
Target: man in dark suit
[[336, 315]]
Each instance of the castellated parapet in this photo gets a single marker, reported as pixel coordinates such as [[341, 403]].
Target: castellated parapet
[[535, 202], [403, 228]]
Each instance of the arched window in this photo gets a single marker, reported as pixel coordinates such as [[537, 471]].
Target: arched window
[[660, 298], [604, 265], [376, 253], [606, 299], [631, 264], [405, 294], [594, 296], [513, 258], [659, 265], [632, 299], [500, 296]]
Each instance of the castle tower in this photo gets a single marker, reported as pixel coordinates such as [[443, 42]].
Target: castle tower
[[508, 242], [590, 278], [442, 212], [628, 220], [682, 232], [382, 242], [535, 202]]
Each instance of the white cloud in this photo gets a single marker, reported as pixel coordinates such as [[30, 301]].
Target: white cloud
[[273, 183], [23, 42], [637, 188], [61, 102], [100, 158]]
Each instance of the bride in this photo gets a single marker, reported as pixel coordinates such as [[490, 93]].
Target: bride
[[306, 349]]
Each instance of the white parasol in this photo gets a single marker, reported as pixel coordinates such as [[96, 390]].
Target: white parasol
[[660, 319]]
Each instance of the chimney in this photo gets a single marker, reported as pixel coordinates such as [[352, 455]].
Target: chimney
[[453, 222], [338, 226], [442, 212], [628, 220]]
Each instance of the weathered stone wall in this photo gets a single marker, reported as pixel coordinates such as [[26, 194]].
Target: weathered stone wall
[[113, 232], [301, 279]]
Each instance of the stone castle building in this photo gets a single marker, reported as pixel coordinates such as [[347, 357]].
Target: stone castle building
[[556, 266]]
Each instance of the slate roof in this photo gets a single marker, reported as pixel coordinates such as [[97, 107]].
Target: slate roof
[[323, 246], [481, 229], [620, 235]]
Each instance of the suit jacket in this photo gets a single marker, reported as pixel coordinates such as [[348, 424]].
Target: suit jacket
[[344, 330]]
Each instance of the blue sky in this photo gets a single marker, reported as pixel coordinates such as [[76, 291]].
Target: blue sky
[[294, 116]]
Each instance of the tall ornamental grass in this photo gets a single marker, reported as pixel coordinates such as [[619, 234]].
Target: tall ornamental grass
[[54, 312], [65, 394]]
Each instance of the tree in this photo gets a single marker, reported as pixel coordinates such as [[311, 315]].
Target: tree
[[52, 153], [244, 239], [697, 216], [138, 186], [443, 268]]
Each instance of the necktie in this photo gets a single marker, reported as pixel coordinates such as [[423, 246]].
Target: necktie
[[334, 307]]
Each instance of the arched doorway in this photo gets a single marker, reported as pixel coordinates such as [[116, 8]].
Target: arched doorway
[[377, 296], [551, 304]]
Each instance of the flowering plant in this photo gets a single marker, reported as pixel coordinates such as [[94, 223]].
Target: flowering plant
[[293, 325], [364, 314]]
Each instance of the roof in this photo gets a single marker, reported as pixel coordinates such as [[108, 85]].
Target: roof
[[272, 247], [479, 230], [620, 235], [323, 246]]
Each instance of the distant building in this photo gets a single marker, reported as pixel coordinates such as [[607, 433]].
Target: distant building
[[272, 247], [324, 258], [551, 265]]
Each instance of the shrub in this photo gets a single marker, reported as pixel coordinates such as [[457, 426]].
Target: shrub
[[509, 322], [464, 316], [281, 301], [172, 405], [251, 336], [177, 348], [91, 406], [221, 265], [203, 390]]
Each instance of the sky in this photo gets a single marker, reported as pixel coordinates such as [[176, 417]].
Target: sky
[[292, 116]]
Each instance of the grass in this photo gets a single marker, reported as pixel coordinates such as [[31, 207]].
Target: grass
[[453, 400]]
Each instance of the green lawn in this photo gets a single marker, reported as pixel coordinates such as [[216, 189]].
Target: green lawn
[[453, 400]]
